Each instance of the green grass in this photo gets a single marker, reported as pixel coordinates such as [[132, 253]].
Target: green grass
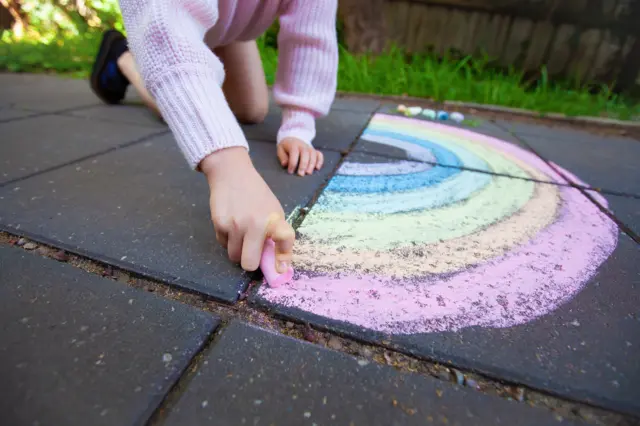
[[393, 73]]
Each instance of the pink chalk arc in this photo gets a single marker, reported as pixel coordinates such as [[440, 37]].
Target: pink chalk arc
[[527, 271]]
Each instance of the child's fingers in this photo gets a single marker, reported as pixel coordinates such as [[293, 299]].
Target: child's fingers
[[284, 236], [320, 161], [313, 158], [252, 247], [222, 239], [294, 156], [282, 155], [304, 161], [234, 246]]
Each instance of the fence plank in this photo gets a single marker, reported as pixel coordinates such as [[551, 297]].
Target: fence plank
[[561, 49], [516, 45]]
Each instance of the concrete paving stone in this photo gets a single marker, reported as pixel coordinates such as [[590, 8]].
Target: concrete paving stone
[[78, 349], [8, 113], [143, 209], [605, 162], [625, 209], [37, 92], [391, 134], [356, 104], [337, 131], [559, 132], [528, 282], [36, 144], [602, 162], [129, 112], [253, 376]]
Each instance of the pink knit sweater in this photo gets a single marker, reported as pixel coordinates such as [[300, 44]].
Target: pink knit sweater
[[166, 38]]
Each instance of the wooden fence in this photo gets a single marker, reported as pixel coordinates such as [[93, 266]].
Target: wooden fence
[[593, 40]]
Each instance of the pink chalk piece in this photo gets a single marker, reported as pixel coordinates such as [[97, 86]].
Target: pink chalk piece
[[268, 266]]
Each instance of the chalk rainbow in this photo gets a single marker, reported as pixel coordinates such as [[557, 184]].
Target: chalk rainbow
[[443, 240]]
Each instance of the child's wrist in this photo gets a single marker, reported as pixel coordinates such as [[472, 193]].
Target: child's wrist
[[218, 161]]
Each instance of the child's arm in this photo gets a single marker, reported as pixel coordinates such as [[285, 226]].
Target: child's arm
[[181, 72], [185, 78], [307, 66]]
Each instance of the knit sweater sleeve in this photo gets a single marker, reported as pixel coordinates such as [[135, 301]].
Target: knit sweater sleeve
[[181, 72], [307, 65]]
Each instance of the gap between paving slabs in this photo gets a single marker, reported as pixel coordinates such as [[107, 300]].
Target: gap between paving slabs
[[250, 372], [382, 354], [110, 352]]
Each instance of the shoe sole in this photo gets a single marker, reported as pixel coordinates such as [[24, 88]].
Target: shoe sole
[[105, 46]]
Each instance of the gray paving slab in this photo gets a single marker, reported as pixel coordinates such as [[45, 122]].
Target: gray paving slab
[[129, 112], [356, 104], [525, 281], [605, 162], [561, 131], [143, 209], [37, 144], [625, 209], [253, 376], [7, 113], [37, 92], [485, 147], [78, 349], [337, 131]]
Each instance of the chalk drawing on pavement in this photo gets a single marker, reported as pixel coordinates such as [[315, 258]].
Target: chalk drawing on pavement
[[408, 246]]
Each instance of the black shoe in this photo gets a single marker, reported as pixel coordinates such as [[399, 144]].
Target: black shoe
[[107, 81]]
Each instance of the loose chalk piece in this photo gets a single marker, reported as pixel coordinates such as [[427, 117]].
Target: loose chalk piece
[[429, 113], [457, 117], [442, 115], [268, 266], [402, 108], [414, 110]]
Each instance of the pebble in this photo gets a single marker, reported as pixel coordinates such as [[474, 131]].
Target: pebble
[[457, 117], [288, 324], [518, 395], [366, 352], [414, 110], [470, 383], [443, 115], [167, 357], [310, 335], [429, 113], [457, 376], [108, 271], [21, 242], [30, 246], [444, 375], [42, 251], [61, 256], [334, 343]]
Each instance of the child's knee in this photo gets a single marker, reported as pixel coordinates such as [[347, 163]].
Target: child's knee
[[253, 114]]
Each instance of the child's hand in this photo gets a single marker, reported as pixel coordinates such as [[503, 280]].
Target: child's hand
[[295, 154], [244, 210]]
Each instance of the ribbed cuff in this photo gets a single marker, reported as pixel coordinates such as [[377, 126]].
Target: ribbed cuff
[[193, 105], [297, 123]]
